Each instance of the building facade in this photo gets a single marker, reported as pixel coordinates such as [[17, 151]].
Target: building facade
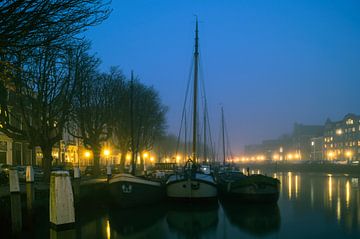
[[342, 139]]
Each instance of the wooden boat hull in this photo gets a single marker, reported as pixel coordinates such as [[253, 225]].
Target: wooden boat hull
[[191, 189], [131, 191], [260, 189]]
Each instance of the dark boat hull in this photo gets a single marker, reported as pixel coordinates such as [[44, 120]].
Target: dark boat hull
[[200, 188], [256, 189], [130, 191]]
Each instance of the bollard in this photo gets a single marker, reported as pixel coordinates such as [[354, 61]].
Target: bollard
[[108, 171], [67, 233], [14, 181], [62, 212], [30, 196], [76, 172], [29, 174]]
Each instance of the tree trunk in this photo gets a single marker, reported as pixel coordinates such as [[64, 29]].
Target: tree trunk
[[141, 166], [122, 162], [47, 160], [96, 153]]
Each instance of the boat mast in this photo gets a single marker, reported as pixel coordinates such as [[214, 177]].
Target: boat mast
[[196, 60], [205, 153], [223, 134], [133, 156]]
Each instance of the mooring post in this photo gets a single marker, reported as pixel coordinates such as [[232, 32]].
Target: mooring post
[[62, 211], [108, 171], [14, 181], [30, 196], [76, 172], [16, 216], [29, 174]]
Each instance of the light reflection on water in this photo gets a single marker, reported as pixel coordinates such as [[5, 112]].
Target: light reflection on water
[[310, 205]]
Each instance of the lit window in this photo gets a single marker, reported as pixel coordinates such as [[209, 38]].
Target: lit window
[[353, 129], [349, 121]]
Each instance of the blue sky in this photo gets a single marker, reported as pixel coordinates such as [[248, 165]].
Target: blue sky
[[269, 63]]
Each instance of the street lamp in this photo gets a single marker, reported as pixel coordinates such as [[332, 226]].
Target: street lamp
[[145, 156], [106, 153], [330, 155], [313, 145], [348, 154]]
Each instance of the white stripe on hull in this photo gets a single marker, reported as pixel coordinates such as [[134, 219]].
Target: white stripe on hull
[[132, 179], [191, 189]]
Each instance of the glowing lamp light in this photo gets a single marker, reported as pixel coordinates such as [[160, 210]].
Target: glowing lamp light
[[348, 153], [106, 152], [330, 154], [128, 156], [145, 155], [338, 131], [87, 154]]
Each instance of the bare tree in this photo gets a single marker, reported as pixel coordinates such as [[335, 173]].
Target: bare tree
[[40, 98], [139, 109], [27, 24], [93, 109]]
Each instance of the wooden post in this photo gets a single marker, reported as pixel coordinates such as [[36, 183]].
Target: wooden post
[[62, 211]]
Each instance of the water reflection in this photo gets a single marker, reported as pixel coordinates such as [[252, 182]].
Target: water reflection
[[330, 188], [327, 203], [338, 195], [256, 219], [16, 215], [193, 221], [68, 234], [347, 193], [136, 222]]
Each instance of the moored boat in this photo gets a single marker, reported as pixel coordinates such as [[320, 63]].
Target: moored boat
[[251, 188], [128, 190], [191, 185]]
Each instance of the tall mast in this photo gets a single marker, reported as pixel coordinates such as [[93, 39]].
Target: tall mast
[[196, 60], [133, 156], [223, 134], [205, 112]]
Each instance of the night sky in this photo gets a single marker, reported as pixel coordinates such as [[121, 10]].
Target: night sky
[[269, 63]]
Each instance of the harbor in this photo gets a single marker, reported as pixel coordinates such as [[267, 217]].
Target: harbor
[[321, 198], [179, 119]]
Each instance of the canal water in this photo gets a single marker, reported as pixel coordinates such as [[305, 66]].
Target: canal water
[[310, 206]]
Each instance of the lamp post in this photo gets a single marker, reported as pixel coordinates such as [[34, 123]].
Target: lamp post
[[145, 156], [313, 145], [348, 154], [108, 166]]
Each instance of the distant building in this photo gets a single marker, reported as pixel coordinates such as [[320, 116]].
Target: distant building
[[301, 138], [342, 139], [317, 146], [296, 146]]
